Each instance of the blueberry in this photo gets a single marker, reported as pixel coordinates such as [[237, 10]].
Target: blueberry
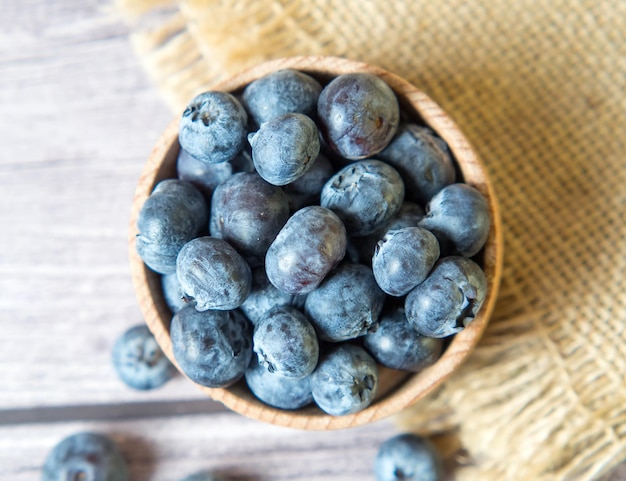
[[284, 148], [248, 213], [403, 259], [346, 305], [305, 190], [173, 214], [345, 380], [204, 476], [213, 348], [264, 296], [359, 115], [365, 195], [408, 457], [449, 299], [281, 92], [206, 177], [459, 217], [276, 390], [312, 242], [423, 160], [172, 292], [213, 127], [139, 361], [395, 344], [85, 456], [213, 274]]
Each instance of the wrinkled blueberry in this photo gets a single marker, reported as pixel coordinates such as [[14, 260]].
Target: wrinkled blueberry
[[395, 344], [213, 348], [248, 213], [403, 259], [171, 216], [206, 177], [285, 342], [264, 296], [408, 457], [423, 160], [449, 299], [276, 390], [213, 274], [365, 195], [459, 217], [284, 148], [139, 361], [213, 127], [172, 292], [312, 242], [306, 190], [346, 304], [345, 380], [359, 115], [85, 456], [281, 92]]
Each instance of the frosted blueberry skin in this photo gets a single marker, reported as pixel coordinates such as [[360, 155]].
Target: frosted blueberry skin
[[312, 242], [359, 115], [345, 380], [248, 213], [206, 177], [449, 299], [403, 259], [408, 457], [305, 190], [285, 342], [213, 348], [395, 344], [139, 361], [346, 304], [459, 217], [284, 148], [423, 160], [172, 292], [276, 390], [365, 195], [213, 274], [85, 456], [213, 127], [264, 296], [281, 92], [173, 214]]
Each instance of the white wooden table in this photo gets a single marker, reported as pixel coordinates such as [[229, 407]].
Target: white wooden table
[[78, 118]]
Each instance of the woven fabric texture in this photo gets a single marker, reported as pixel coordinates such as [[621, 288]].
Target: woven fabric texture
[[538, 87]]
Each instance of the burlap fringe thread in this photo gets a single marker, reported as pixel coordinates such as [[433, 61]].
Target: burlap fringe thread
[[543, 397]]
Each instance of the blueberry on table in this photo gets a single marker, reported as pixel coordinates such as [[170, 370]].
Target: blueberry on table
[[365, 195], [403, 259], [395, 344], [139, 361], [248, 213], [423, 160], [85, 456], [204, 476], [345, 380], [284, 148], [276, 390], [213, 348], [172, 292], [459, 217], [285, 342], [173, 214], [311, 243], [281, 92], [206, 177], [408, 457], [213, 127], [213, 274], [359, 115], [449, 299], [346, 304]]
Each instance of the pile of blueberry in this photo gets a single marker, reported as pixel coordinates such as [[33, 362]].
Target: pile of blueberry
[[313, 233]]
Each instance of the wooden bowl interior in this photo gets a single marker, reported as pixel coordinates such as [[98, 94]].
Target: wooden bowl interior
[[397, 389]]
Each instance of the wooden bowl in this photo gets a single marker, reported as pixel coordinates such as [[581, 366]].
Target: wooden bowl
[[397, 389]]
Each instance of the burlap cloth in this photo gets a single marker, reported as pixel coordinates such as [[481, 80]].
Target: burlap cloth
[[539, 87]]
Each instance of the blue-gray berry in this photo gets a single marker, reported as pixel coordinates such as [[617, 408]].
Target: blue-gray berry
[[172, 292], [205, 176], [408, 457], [306, 190]]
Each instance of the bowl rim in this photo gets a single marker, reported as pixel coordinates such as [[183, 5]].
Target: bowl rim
[[415, 386]]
